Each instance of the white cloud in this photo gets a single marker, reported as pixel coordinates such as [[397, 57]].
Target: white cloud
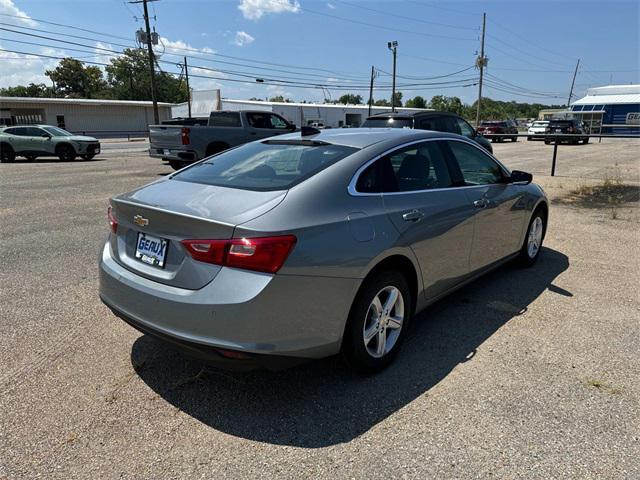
[[7, 7], [255, 9], [242, 39], [331, 6], [18, 69]]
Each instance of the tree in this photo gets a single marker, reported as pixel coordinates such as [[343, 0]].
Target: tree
[[416, 102], [129, 79], [351, 99], [447, 104], [382, 103], [39, 90], [280, 98], [397, 99], [74, 79]]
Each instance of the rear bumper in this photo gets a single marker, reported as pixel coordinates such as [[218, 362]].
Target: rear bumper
[[173, 154], [256, 313]]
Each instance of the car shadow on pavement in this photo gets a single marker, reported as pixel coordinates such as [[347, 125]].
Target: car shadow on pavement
[[323, 403], [26, 161]]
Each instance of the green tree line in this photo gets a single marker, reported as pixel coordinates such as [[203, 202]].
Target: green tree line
[[126, 78]]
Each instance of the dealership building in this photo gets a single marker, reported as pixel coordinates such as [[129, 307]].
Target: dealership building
[[79, 115], [614, 109]]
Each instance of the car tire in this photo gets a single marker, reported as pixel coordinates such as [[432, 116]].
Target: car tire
[[529, 139], [533, 239], [7, 154], [30, 158], [376, 327], [547, 142], [88, 157], [585, 141], [66, 153], [514, 139], [177, 164]]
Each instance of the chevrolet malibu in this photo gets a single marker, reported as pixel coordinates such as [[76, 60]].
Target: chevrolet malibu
[[313, 243]]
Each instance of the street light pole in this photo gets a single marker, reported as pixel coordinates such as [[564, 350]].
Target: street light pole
[[393, 46]]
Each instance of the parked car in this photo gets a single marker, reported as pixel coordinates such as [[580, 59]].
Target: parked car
[[537, 130], [499, 130], [181, 145], [436, 121], [32, 141], [571, 126], [314, 243]]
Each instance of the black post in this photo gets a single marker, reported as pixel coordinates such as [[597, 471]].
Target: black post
[[156, 116], [373, 72], [555, 154]]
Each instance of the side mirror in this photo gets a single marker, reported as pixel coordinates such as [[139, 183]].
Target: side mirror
[[46, 135], [291, 127], [518, 176]]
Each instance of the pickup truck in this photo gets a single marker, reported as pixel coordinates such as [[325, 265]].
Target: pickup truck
[[184, 144]]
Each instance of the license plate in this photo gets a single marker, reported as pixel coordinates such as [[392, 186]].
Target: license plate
[[558, 130], [167, 151], [151, 250]]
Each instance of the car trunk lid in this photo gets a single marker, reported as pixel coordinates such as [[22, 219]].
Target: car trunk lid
[[171, 211]]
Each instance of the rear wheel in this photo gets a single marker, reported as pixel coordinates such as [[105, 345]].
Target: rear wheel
[[514, 139], [7, 154], [66, 153], [585, 141], [532, 245], [378, 322]]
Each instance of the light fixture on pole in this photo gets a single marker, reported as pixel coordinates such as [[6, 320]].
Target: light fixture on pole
[[393, 46]]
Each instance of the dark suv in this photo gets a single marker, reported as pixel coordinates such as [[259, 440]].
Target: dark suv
[[438, 121], [570, 126], [499, 130]]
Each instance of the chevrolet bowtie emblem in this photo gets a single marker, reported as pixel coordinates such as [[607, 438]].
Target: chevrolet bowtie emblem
[[140, 220]]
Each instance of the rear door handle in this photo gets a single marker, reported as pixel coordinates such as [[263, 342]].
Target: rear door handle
[[412, 216], [482, 203]]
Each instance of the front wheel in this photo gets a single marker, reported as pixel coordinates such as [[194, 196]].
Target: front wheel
[[585, 141], [66, 153], [378, 322], [177, 164], [532, 245], [88, 156]]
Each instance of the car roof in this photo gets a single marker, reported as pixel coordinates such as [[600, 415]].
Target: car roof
[[410, 114], [365, 137]]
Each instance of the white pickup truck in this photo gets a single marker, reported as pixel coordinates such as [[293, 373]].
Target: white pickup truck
[[184, 144]]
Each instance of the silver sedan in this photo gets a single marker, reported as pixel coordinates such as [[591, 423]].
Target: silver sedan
[[314, 243]]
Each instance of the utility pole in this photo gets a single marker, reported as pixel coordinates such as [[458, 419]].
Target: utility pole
[[393, 46], [573, 83], [156, 116], [186, 74], [373, 74], [480, 62]]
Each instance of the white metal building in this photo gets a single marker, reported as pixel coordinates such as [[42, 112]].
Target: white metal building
[[78, 115], [330, 115]]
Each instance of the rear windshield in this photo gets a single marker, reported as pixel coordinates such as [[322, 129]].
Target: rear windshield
[[224, 119], [265, 166], [388, 122]]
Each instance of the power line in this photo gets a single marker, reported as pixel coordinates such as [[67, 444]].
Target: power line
[[412, 19]]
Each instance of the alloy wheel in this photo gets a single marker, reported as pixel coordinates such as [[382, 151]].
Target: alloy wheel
[[535, 237], [383, 323]]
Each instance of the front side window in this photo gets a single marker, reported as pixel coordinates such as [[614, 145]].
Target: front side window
[[265, 166], [414, 168], [465, 129], [476, 167], [260, 120], [277, 122]]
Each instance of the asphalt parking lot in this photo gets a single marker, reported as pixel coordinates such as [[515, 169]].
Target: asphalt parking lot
[[524, 374]]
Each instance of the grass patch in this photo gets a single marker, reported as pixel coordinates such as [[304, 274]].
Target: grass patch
[[610, 194], [602, 387]]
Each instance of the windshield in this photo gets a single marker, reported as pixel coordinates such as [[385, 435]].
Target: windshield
[[57, 132], [388, 122], [265, 166], [540, 124]]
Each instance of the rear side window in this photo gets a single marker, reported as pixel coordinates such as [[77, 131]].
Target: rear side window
[[265, 166], [15, 131], [225, 119], [477, 168], [414, 168]]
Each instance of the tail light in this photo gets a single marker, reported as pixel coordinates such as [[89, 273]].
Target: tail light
[[184, 133], [113, 223], [265, 254]]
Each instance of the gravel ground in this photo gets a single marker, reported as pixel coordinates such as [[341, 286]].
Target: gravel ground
[[523, 374]]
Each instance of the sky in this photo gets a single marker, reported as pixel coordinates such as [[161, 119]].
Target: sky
[[315, 49]]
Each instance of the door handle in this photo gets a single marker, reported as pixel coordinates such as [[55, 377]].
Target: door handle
[[413, 216], [482, 203]]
